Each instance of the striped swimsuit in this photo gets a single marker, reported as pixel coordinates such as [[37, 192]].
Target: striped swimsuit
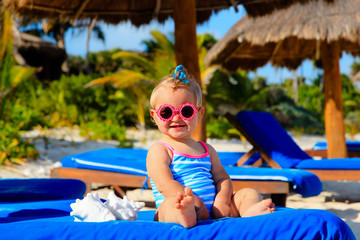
[[193, 172]]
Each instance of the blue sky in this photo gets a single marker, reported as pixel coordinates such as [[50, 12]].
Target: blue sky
[[128, 37]]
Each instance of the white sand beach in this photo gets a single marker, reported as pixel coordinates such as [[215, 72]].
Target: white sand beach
[[339, 198]]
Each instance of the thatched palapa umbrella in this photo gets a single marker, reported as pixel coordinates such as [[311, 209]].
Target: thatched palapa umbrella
[[186, 14], [287, 37]]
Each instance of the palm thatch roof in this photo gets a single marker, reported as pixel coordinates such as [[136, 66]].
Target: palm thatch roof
[[110, 11], [32, 51], [287, 37], [257, 8], [138, 12]]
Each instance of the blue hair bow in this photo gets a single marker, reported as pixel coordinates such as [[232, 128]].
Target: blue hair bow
[[180, 74]]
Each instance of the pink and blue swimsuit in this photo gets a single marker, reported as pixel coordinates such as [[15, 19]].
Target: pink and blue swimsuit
[[193, 172]]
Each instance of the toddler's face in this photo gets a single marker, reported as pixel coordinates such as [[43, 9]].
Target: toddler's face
[[177, 127]]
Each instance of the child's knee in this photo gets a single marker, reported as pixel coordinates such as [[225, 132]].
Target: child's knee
[[247, 193]]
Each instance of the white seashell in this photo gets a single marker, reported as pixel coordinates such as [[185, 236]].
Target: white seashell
[[123, 209], [91, 209]]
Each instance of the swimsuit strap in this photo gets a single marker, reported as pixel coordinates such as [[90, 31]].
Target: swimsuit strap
[[170, 148], [205, 146], [166, 145], [174, 151]]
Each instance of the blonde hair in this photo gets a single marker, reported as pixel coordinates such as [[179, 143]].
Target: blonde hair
[[169, 81]]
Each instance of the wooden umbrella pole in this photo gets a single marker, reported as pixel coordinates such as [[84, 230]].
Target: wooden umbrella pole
[[186, 51], [334, 118]]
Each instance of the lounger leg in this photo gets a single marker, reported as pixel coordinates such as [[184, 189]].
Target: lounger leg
[[119, 191], [279, 199]]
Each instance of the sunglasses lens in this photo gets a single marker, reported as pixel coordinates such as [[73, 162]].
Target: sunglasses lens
[[187, 111], [166, 112]]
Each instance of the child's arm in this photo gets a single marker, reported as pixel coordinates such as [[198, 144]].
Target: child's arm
[[157, 164], [224, 189]]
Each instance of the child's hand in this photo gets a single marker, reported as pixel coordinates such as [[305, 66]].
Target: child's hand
[[221, 210]]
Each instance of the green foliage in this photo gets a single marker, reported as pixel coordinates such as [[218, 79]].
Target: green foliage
[[205, 40], [352, 123], [296, 118], [227, 92], [67, 102], [100, 63], [237, 92], [14, 150], [26, 116], [220, 128], [311, 97], [107, 131], [350, 95], [355, 68], [141, 75], [291, 116]]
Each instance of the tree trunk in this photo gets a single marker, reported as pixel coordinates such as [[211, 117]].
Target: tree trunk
[[334, 118], [59, 35], [186, 50], [91, 27], [295, 87]]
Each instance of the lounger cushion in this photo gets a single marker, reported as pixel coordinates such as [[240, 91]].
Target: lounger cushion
[[350, 145], [40, 189], [123, 160], [51, 220], [272, 138], [133, 159], [330, 163], [303, 182]]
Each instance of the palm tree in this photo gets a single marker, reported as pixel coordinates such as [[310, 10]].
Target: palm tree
[[142, 74]]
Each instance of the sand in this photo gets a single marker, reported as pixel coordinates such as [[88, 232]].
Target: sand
[[339, 198]]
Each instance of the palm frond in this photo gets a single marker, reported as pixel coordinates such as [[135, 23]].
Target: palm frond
[[164, 43], [19, 74], [6, 38], [136, 58], [122, 79], [208, 73], [101, 81]]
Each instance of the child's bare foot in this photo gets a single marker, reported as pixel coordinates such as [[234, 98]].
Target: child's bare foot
[[263, 207], [186, 206]]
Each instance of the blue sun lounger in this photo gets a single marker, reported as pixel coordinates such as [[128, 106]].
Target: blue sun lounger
[[279, 150], [126, 168], [50, 219], [320, 149]]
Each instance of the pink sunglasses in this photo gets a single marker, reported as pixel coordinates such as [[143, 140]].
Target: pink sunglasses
[[187, 111]]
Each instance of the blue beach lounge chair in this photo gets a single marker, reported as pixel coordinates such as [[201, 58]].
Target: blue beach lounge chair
[[320, 149], [126, 168], [279, 150], [50, 219]]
